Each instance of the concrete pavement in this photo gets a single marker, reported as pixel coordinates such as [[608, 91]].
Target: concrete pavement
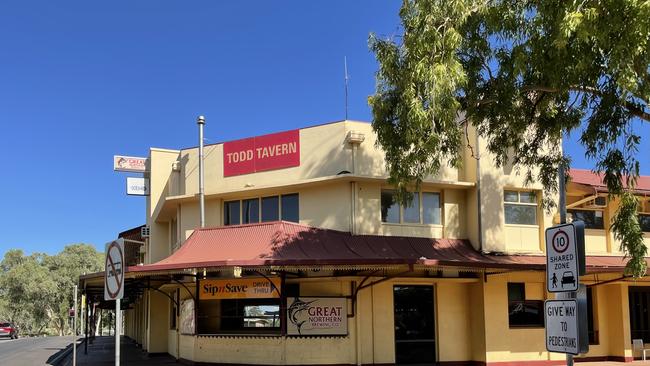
[[101, 352]]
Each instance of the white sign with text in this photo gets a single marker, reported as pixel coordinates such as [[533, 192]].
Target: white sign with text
[[317, 316], [561, 317], [561, 259]]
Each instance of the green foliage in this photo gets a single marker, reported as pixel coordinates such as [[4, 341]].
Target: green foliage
[[522, 73], [36, 290]]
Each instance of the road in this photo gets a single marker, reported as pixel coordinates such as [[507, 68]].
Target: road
[[31, 351]]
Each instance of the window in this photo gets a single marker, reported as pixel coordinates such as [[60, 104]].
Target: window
[[231, 213], [289, 207], [239, 316], [644, 222], [423, 209], [639, 298], [593, 219], [389, 208], [592, 329], [173, 311], [270, 208], [522, 312], [520, 207], [250, 211]]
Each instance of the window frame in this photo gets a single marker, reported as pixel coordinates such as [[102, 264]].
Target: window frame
[[588, 210], [420, 195], [519, 203], [260, 200], [524, 302]]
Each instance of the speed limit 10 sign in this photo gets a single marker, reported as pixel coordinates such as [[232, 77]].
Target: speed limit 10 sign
[[565, 256]]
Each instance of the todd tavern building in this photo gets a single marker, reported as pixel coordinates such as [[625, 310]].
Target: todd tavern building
[[305, 258]]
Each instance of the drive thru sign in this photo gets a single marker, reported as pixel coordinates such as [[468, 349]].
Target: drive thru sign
[[114, 276]]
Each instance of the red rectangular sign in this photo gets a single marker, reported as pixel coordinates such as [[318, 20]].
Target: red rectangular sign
[[261, 153]]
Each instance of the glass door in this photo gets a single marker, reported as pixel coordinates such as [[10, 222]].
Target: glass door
[[414, 325]]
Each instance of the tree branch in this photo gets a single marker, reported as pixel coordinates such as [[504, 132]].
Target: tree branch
[[631, 107]]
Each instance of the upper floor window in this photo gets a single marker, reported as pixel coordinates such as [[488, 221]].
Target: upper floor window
[[423, 209], [520, 207], [264, 209], [593, 219], [644, 222]]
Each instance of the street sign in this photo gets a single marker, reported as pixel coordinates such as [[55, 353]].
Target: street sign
[[564, 256], [561, 318], [114, 272], [136, 186]]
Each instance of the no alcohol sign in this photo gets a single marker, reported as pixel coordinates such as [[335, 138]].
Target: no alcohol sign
[[564, 256], [114, 275]]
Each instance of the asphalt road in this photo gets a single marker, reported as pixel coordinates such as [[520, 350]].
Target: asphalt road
[[31, 351]]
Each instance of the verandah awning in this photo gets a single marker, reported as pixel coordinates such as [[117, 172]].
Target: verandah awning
[[282, 244]]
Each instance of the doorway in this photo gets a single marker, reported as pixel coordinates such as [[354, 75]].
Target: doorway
[[414, 325]]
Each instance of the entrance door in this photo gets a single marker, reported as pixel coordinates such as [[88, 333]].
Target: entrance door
[[639, 298], [414, 325]]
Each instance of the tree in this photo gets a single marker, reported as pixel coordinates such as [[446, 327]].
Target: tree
[[523, 73]]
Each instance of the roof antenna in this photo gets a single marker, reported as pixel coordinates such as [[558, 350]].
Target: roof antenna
[[345, 63]]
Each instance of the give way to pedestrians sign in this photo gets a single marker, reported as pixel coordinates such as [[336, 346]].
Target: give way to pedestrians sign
[[114, 274]]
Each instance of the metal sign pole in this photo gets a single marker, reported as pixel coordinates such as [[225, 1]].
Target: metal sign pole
[[74, 329], [562, 188], [118, 320]]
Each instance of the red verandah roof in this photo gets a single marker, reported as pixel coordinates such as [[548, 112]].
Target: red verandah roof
[[288, 244], [588, 178]]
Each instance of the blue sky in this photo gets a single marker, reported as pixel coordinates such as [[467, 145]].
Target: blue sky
[[81, 81]]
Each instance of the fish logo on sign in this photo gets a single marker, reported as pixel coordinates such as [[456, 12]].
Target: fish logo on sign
[[114, 274]]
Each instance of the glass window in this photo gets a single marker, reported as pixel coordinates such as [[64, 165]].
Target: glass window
[[231, 213], [389, 207], [522, 312], [290, 207], [511, 196], [527, 197], [270, 209], [520, 208], [411, 213], [251, 211], [431, 213], [592, 219], [644, 222], [239, 315]]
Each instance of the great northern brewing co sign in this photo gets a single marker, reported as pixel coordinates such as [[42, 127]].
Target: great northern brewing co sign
[[317, 316], [261, 153]]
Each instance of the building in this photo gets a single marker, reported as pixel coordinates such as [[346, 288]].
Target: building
[[305, 258]]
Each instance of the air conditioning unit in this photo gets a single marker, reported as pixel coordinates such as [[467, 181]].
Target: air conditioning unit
[[598, 202], [144, 231]]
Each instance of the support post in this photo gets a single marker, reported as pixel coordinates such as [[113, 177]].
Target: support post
[[87, 308], [74, 329], [562, 208], [118, 320]]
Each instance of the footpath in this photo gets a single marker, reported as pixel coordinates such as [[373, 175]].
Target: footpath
[[101, 352]]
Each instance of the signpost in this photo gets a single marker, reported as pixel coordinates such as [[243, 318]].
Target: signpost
[[137, 186], [114, 285], [565, 319]]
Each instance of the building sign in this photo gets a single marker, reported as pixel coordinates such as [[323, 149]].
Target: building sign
[[261, 153], [317, 316], [562, 326], [240, 288], [563, 256], [136, 186], [129, 164]]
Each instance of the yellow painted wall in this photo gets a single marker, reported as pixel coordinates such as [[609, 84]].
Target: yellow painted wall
[[158, 322], [161, 169], [454, 330]]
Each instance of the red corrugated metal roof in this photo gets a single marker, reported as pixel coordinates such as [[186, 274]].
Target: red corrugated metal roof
[[587, 177], [289, 244]]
